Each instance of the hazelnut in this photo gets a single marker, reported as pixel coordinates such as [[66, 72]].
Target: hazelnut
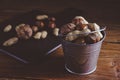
[[52, 25], [7, 28], [10, 41], [67, 28], [34, 28], [24, 32], [40, 24], [52, 19]]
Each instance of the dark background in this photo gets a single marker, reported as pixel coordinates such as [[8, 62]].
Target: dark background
[[100, 11]]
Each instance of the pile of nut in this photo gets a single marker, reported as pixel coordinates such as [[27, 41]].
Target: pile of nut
[[37, 31], [80, 31]]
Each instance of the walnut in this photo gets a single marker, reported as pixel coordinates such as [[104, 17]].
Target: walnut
[[24, 31]]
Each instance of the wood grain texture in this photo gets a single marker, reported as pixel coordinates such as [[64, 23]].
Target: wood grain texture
[[102, 12]]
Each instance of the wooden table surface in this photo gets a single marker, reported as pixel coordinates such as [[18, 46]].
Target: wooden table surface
[[108, 67]]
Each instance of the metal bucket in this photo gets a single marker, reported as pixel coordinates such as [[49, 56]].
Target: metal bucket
[[81, 59]]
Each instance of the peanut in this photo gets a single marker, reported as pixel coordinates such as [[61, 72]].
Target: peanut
[[10, 41], [7, 28], [79, 19], [56, 31], [41, 17], [44, 34], [37, 35]]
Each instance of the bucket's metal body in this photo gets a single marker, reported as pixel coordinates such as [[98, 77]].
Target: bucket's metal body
[[81, 59]]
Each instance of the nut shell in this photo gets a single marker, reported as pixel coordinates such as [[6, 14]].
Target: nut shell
[[41, 17], [56, 31], [7, 28], [52, 25], [44, 34], [92, 38], [52, 19], [10, 41], [67, 28], [81, 26], [34, 28], [24, 32], [79, 19], [79, 40], [37, 35], [40, 24]]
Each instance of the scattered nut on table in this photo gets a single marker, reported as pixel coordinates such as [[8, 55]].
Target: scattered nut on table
[[17, 27], [7, 28], [37, 35], [40, 24], [24, 32], [10, 41], [56, 31], [52, 19], [52, 25], [44, 34], [35, 28], [41, 17]]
